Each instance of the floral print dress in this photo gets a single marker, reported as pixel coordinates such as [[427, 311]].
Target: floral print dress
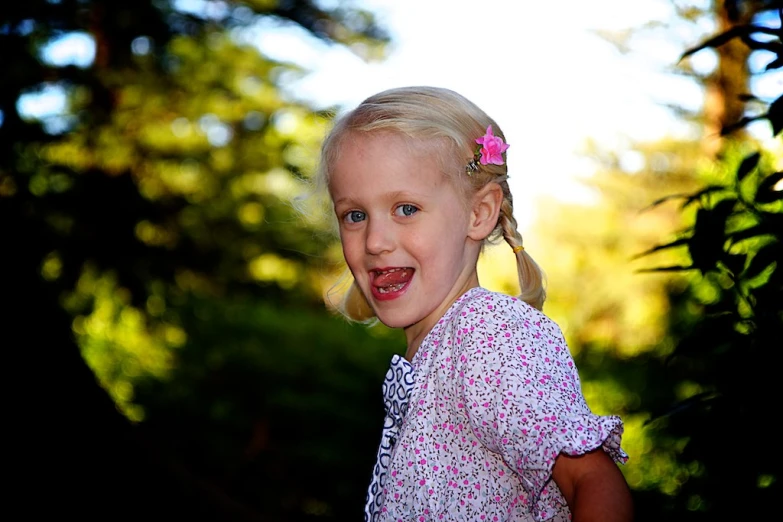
[[475, 421]]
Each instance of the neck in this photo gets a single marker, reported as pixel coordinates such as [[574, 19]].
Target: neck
[[415, 333]]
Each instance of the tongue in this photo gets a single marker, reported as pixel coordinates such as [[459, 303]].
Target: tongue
[[393, 278]]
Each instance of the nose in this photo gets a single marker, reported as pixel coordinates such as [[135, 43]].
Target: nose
[[380, 236]]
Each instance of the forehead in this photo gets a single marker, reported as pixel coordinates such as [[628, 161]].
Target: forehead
[[385, 143], [386, 156]]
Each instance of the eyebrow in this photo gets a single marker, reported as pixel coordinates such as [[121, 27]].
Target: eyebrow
[[404, 194], [398, 195], [343, 201]]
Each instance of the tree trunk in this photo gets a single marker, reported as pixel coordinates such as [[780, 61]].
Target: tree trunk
[[723, 88]]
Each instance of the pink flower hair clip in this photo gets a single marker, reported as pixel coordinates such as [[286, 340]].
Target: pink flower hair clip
[[490, 150]]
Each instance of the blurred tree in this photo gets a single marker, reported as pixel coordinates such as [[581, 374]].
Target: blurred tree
[[143, 181], [610, 315], [620, 324], [717, 385]]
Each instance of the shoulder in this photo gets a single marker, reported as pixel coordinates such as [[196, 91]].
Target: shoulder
[[502, 332], [487, 312]]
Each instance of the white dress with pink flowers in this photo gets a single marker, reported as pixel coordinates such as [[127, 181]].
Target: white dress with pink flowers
[[474, 423]]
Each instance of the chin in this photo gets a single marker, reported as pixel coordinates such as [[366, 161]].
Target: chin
[[393, 322]]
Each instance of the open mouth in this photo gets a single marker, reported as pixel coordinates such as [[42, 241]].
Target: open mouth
[[390, 281]]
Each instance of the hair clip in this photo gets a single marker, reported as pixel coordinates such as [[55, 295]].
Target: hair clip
[[490, 150], [472, 166]]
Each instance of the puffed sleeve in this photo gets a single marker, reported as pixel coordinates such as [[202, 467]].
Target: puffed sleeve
[[523, 396]]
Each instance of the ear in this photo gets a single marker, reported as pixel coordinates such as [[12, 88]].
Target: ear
[[485, 210]]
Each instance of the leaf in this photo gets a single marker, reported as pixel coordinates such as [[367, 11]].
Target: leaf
[[771, 46], [748, 233], [775, 115], [709, 189], [697, 401], [766, 192], [766, 255], [672, 268], [677, 242], [722, 210], [772, 31], [772, 220], [747, 165], [728, 129], [689, 198], [717, 41], [735, 262], [664, 200], [709, 234], [777, 63]]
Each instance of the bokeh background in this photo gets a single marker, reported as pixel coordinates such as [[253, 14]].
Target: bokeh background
[[167, 349]]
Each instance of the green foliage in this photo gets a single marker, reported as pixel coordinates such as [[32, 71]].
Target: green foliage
[[152, 231], [721, 382], [267, 401], [177, 149], [725, 328], [616, 322], [686, 352]]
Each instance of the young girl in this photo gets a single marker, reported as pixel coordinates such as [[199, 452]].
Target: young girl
[[485, 419]]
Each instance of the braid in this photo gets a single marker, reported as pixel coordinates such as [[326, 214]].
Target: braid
[[531, 278]]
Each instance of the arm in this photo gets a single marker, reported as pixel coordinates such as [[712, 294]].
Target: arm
[[594, 487]]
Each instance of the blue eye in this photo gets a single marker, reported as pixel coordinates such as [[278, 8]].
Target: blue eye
[[354, 216], [406, 210]]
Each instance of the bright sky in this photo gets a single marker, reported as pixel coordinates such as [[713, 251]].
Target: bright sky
[[537, 68], [548, 100]]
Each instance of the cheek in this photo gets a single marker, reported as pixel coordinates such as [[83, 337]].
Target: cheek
[[352, 250], [430, 249], [444, 247]]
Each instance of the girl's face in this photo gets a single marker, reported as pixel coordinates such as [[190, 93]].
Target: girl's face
[[404, 230]]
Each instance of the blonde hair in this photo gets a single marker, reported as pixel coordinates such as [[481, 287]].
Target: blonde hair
[[453, 122]]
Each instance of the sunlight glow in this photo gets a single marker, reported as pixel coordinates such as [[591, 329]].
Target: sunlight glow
[[70, 49], [548, 103], [207, 9], [49, 100]]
